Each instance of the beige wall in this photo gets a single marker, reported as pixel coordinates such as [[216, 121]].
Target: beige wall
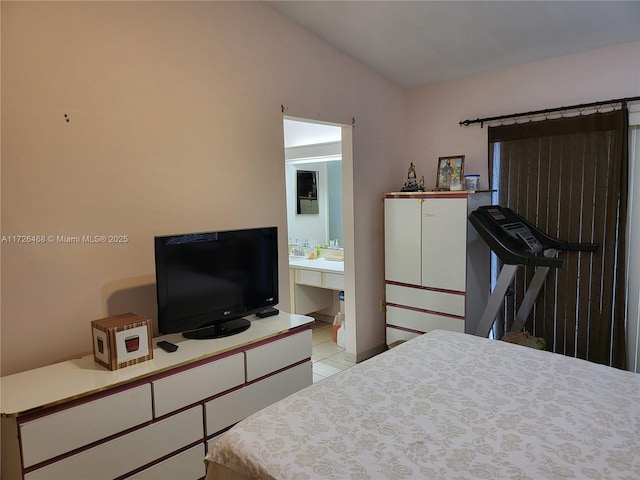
[[433, 112], [175, 125]]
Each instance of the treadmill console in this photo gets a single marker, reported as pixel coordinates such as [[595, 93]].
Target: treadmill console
[[516, 241], [515, 229]]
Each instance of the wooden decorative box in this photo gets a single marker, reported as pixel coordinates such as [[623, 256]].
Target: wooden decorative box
[[122, 340]]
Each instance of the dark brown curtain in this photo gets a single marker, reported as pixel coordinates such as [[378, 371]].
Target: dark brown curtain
[[568, 176]]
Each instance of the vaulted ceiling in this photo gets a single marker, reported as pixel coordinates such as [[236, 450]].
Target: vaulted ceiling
[[416, 43]]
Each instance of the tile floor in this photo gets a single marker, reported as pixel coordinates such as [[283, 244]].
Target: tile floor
[[327, 356]]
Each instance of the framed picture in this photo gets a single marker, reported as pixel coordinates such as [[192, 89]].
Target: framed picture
[[450, 172]]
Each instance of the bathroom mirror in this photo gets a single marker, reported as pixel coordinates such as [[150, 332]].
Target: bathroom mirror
[[307, 192]]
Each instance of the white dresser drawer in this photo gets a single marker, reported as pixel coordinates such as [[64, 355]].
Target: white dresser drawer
[[442, 302], [188, 465], [278, 354], [66, 430], [239, 404], [422, 321], [124, 454], [309, 277], [196, 384]]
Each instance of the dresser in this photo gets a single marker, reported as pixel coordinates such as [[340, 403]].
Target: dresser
[[153, 420], [437, 268]]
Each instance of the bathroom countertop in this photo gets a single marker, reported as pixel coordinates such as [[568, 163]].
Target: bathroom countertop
[[320, 264]]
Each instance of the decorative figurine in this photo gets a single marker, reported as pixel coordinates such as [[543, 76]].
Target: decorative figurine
[[411, 185]]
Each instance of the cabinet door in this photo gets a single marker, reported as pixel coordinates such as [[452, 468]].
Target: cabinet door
[[444, 240], [402, 238]]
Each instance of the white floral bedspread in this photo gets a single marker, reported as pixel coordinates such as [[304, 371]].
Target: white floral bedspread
[[448, 406]]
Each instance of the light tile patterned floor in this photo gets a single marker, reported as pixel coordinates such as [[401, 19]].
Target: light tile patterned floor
[[328, 357]]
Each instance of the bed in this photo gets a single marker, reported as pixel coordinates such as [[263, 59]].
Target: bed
[[449, 406]]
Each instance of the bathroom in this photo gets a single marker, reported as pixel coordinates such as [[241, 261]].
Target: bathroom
[[313, 171]]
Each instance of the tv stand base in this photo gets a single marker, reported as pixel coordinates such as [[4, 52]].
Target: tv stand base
[[219, 330]]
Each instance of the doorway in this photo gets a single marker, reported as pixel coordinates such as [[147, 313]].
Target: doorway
[[318, 186]]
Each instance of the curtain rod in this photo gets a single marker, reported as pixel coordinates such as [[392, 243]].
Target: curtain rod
[[481, 121]]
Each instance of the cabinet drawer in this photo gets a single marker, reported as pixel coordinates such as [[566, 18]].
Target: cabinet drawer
[[239, 404], [278, 354], [395, 334], [435, 301], [309, 277], [422, 321], [196, 384], [334, 281], [66, 430], [187, 465], [131, 450]]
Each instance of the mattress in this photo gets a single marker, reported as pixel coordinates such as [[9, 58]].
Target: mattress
[[450, 406]]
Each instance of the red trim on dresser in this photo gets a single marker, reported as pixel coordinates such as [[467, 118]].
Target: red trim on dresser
[[405, 329], [271, 374], [424, 310], [422, 287]]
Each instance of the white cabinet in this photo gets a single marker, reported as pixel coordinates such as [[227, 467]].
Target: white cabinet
[[153, 419], [436, 267]]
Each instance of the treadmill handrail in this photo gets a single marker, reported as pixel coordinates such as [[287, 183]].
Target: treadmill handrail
[[554, 242]]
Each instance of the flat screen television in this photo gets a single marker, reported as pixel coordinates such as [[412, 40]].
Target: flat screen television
[[208, 282]]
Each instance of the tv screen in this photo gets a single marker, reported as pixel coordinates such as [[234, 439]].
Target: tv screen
[[207, 282]]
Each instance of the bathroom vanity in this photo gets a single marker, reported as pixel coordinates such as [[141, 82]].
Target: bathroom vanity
[[314, 283]]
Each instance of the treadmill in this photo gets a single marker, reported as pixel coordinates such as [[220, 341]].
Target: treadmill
[[517, 242]]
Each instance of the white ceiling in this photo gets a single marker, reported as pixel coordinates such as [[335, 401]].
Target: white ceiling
[[415, 43], [297, 132]]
